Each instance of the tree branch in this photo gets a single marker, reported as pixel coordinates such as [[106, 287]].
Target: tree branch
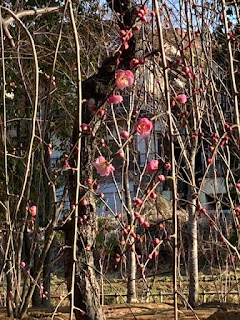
[[6, 22]]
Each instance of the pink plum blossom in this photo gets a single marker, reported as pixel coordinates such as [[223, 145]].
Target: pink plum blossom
[[124, 78], [152, 166], [120, 154], [143, 127], [153, 195], [33, 211], [182, 98], [186, 70], [115, 99], [137, 201], [103, 167], [124, 134], [161, 178], [84, 202], [84, 127]]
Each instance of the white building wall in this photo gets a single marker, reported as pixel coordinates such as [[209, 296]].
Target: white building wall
[[111, 197], [212, 187]]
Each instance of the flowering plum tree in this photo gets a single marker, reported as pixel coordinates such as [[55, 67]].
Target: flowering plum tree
[[152, 113]]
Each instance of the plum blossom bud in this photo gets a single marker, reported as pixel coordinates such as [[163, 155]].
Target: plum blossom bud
[[152, 166], [124, 134], [161, 178], [33, 211]]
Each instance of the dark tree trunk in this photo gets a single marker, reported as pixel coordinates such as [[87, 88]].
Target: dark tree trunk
[[97, 87], [47, 279], [36, 298], [86, 289], [9, 278], [131, 274], [48, 212]]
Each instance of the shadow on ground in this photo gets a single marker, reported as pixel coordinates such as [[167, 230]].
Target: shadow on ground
[[141, 311]]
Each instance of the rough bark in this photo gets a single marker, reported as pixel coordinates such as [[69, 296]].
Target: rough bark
[[47, 279], [97, 87], [48, 199], [131, 274], [86, 290], [9, 277], [36, 299]]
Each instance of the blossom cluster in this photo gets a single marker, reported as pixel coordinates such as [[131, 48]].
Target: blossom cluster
[[143, 128], [123, 79]]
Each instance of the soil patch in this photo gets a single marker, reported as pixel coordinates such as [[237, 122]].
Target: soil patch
[[138, 311]]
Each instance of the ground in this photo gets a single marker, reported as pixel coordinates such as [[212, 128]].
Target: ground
[[142, 311], [158, 308], [152, 311]]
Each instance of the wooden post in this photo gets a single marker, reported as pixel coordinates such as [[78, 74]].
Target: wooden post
[[161, 297], [118, 300], [148, 295], [204, 296]]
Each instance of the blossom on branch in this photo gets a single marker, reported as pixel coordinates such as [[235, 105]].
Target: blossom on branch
[[143, 127], [33, 211], [152, 166], [124, 78], [115, 99], [181, 98], [103, 167]]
